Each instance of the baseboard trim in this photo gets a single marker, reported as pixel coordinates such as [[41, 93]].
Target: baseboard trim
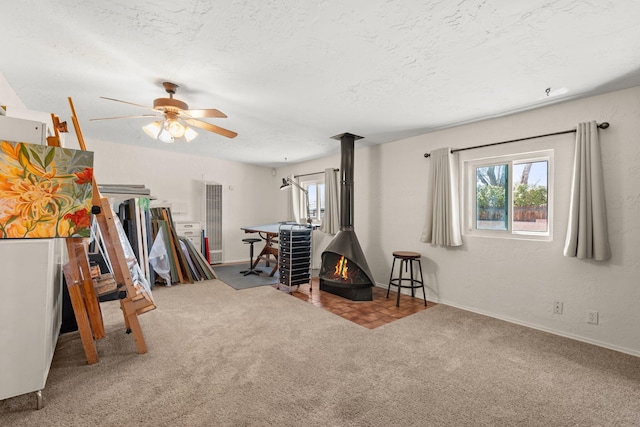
[[580, 338]]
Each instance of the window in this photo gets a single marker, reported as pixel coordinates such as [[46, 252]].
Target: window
[[510, 196], [315, 187]]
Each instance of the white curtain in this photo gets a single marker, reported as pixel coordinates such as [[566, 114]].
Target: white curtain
[[587, 236], [297, 210], [442, 226], [331, 219]]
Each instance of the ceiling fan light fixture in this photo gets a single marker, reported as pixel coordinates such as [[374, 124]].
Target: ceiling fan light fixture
[[189, 134], [169, 131], [153, 129], [165, 136], [176, 129]]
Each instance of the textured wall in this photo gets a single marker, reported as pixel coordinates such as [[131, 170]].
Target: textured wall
[[516, 280], [519, 280]]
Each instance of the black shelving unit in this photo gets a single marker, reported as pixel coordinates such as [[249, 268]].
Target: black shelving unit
[[294, 257]]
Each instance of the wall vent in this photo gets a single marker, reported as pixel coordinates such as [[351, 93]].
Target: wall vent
[[213, 221]]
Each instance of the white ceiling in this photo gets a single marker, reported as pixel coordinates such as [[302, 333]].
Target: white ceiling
[[292, 73]]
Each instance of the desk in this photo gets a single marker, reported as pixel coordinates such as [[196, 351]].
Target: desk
[[268, 232]]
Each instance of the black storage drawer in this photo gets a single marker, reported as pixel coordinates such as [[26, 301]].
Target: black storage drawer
[[294, 257]]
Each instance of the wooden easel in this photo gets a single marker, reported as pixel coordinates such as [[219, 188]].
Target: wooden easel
[[83, 297]]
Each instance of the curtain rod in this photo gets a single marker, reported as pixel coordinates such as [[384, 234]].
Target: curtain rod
[[603, 125], [315, 173]]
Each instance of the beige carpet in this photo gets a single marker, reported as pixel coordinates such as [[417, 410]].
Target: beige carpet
[[261, 357]]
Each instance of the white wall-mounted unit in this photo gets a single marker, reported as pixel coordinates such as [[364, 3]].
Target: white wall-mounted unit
[[213, 221]]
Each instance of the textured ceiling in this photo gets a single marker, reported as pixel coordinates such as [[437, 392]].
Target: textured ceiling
[[290, 74]]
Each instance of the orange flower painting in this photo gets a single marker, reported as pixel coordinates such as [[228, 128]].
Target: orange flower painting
[[45, 191]]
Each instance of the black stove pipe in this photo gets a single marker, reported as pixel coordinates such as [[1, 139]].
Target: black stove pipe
[[347, 148]]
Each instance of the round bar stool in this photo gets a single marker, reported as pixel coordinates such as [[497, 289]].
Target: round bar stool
[[407, 259], [251, 270]]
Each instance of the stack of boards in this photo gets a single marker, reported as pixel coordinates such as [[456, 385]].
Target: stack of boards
[[142, 223]]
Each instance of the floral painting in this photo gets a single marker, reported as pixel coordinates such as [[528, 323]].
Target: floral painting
[[44, 191]]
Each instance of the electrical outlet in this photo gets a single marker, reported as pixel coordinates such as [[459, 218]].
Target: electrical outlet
[[557, 307], [592, 317]]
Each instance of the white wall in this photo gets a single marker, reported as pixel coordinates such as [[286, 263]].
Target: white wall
[[177, 179], [515, 280]]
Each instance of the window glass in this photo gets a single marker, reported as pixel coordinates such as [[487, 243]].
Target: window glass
[[313, 200], [321, 199], [530, 196], [492, 197], [509, 196], [315, 187]]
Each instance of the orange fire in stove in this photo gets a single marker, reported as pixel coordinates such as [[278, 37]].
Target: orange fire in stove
[[341, 269]]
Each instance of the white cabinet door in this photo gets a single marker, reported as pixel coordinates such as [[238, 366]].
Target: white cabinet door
[[30, 312]]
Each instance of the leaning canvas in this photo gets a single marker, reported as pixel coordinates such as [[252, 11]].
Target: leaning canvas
[[45, 191]]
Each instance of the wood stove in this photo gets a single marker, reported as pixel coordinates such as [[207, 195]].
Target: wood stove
[[344, 270]]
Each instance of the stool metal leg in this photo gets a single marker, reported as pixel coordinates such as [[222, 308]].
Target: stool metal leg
[[413, 289], [402, 261], [424, 292], [393, 264]]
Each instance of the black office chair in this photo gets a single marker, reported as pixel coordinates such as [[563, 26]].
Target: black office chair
[[251, 270]]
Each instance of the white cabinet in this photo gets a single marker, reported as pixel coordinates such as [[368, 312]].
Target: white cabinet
[[30, 312], [21, 130], [192, 231]]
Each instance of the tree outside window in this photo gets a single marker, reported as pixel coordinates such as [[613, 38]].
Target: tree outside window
[[511, 195]]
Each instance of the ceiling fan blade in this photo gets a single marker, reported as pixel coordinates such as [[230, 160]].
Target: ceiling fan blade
[[127, 117], [207, 112], [211, 128], [127, 102]]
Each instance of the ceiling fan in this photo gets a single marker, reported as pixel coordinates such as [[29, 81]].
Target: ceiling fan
[[175, 115]]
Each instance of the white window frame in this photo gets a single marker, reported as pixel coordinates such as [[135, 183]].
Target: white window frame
[[318, 180], [468, 172]]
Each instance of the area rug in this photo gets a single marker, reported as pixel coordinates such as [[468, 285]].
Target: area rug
[[230, 274]]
